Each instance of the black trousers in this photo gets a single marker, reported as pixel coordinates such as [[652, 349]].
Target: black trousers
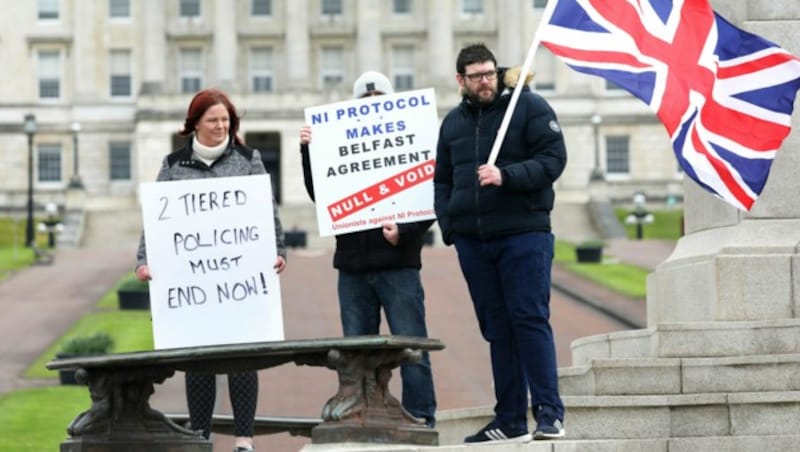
[[201, 394]]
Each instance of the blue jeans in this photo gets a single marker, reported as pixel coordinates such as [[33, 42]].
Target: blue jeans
[[400, 293], [509, 282]]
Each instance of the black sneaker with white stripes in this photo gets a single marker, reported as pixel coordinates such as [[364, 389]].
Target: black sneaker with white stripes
[[548, 428], [494, 433]]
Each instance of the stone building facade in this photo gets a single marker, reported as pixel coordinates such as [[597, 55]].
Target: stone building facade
[[109, 81]]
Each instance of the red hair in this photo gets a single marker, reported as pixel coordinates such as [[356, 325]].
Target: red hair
[[204, 100]]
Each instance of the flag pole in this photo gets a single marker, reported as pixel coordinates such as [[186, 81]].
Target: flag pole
[[526, 67]]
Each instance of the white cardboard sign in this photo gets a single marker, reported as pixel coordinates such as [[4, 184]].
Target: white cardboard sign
[[210, 248], [372, 160]]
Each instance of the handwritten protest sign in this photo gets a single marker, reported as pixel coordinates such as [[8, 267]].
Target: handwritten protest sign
[[210, 248], [372, 160]]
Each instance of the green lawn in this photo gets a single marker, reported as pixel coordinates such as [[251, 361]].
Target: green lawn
[[626, 279], [13, 254], [37, 419], [12, 259], [12, 233], [623, 278]]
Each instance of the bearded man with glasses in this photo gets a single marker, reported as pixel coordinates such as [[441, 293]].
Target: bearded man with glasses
[[498, 217]]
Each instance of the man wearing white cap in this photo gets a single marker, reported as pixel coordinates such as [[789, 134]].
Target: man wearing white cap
[[371, 83], [379, 268]]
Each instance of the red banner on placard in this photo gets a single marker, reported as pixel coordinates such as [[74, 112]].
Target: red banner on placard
[[378, 192]]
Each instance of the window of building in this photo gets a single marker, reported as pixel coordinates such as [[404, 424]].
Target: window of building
[[545, 70], [403, 68], [119, 160], [48, 9], [189, 8], [190, 61], [331, 7], [617, 155], [332, 67], [539, 4], [472, 6], [49, 74], [261, 7], [120, 73], [401, 6], [49, 163], [261, 69], [119, 9]]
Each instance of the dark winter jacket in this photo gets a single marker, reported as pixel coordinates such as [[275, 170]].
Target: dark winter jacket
[[531, 158], [237, 160], [368, 251]]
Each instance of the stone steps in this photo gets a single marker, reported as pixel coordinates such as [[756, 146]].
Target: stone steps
[[73, 222], [716, 444], [112, 221], [652, 417], [658, 376], [571, 220], [693, 340], [722, 386]]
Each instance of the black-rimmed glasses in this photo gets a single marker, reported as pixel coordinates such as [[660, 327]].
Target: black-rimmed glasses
[[476, 77]]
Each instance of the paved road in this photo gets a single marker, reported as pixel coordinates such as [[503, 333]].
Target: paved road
[[41, 303]]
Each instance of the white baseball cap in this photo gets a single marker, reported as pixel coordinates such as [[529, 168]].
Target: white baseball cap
[[371, 81]]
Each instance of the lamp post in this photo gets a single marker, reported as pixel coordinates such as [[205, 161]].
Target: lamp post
[[639, 215], [597, 174], [51, 224], [75, 180], [30, 129]]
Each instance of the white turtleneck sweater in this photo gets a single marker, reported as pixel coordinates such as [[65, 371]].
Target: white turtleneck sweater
[[208, 154]]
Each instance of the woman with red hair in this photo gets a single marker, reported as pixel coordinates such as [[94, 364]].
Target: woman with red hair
[[215, 150]]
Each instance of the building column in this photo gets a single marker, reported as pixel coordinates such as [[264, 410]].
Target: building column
[[84, 52], [298, 47], [154, 49], [511, 50], [368, 38], [225, 48], [441, 59]]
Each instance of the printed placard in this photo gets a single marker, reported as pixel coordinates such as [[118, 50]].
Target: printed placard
[[211, 248], [372, 160]]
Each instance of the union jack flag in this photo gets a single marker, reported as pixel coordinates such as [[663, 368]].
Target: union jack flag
[[724, 95]]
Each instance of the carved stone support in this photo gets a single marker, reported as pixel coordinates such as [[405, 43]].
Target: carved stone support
[[363, 409], [120, 417]]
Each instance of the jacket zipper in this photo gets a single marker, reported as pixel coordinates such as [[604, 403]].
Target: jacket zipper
[[475, 175]]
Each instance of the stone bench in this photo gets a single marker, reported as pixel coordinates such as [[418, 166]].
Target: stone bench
[[120, 385]]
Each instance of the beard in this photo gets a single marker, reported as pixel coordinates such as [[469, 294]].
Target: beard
[[482, 97]]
